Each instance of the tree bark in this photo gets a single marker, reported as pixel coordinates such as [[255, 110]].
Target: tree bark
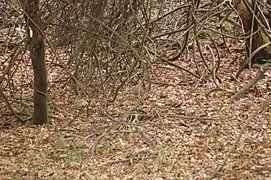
[[37, 56], [256, 18]]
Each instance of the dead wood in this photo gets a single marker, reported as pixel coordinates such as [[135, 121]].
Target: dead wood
[[253, 82]]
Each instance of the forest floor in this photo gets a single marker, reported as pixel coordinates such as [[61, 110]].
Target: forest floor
[[183, 129]]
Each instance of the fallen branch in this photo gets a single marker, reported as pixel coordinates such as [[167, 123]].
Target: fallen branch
[[258, 76]]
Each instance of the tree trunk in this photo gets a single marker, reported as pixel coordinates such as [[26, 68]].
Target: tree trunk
[[259, 35], [37, 51]]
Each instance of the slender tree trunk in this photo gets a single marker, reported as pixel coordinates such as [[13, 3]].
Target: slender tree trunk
[[37, 51]]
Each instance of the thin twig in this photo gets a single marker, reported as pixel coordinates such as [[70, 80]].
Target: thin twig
[[117, 124], [238, 138], [2, 94]]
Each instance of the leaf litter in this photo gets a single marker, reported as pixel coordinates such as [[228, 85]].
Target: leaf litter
[[179, 132]]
